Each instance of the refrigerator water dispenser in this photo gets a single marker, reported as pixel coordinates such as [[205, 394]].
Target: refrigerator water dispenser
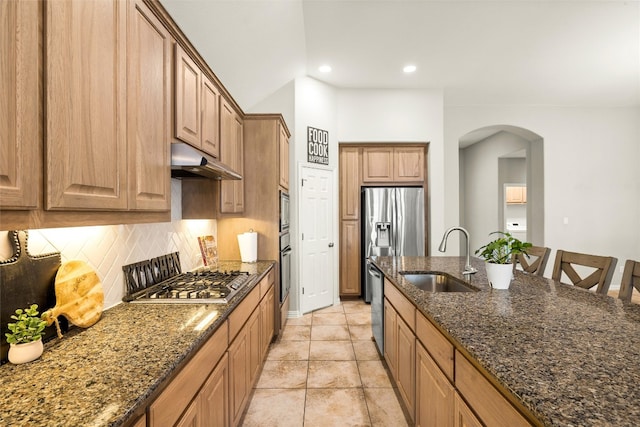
[[383, 234]]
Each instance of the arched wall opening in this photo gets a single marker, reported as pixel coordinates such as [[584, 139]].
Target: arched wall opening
[[493, 158]]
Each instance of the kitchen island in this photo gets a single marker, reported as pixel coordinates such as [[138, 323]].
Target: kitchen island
[[106, 375], [564, 356]]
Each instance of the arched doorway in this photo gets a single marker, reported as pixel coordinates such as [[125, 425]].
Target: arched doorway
[[493, 160]]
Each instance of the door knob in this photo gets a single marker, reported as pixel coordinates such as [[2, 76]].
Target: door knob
[[331, 244]]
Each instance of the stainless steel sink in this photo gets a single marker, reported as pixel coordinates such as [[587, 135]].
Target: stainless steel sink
[[437, 282]]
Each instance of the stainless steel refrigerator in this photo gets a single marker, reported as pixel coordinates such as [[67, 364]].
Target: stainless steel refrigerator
[[393, 224]]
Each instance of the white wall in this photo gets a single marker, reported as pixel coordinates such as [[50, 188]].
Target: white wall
[[379, 115], [591, 173], [482, 188], [315, 106]]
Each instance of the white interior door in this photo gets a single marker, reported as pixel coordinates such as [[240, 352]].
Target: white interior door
[[316, 225]]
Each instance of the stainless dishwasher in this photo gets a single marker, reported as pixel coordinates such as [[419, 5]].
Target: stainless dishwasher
[[375, 282]]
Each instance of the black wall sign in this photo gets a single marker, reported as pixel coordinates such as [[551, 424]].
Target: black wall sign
[[317, 146]]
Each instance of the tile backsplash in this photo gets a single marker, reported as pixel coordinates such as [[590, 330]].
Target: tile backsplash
[[108, 248]]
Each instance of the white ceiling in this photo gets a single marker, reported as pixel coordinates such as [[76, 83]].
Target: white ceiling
[[556, 52]]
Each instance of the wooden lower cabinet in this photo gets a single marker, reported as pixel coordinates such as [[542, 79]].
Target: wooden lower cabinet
[[390, 337], [267, 316], [406, 348], [350, 258], [190, 418], [439, 386], [464, 416], [399, 349], [490, 405], [245, 359], [213, 389], [434, 393], [214, 397], [185, 387]]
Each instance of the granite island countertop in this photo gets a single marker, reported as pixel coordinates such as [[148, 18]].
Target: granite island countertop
[[105, 374], [569, 356]]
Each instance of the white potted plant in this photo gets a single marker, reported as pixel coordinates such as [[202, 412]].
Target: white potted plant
[[498, 256], [25, 336]]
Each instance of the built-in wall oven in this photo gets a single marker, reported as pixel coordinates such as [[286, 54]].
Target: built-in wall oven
[[285, 247], [285, 266], [284, 212]]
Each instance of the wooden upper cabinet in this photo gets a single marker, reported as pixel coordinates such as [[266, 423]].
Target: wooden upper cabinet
[[148, 116], [231, 154], [393, 164], [85, 81], [516, 194], [20, 105], [187, 98], [408, 164], [210, 118], [284, 157], [377, 164], [197, 106], [238, 185], [350, 183]]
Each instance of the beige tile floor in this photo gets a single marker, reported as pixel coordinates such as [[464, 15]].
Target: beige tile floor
[[325, 371]]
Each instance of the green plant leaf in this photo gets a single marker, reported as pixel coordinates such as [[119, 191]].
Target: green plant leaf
[[502, 249]]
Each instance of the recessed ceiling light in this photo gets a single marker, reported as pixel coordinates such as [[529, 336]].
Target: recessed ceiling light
[[325, 69], [409, 68]]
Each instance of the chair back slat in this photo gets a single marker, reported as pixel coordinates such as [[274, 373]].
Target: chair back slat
[[604, 267], [630, 280], [535, 262]]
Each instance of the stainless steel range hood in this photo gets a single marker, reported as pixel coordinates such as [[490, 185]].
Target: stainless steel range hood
[[189, 162]]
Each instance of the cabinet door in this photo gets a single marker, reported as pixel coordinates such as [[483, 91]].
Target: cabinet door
[[215, 398], [148, 114], [284, 158], [390, 338], [350, 183], [238, 185], [239, 371], [349, 258], [377, 164], [490, 405], [405, 367], [515, 194], [85, 80], [408, 164], [191, 417], [231, 154], [464, 417], [266, 318], [20, 131], [255, 349], [434, 393], [210, 118], [187, 99]]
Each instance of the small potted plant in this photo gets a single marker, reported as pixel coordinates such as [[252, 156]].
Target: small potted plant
[[25, 336], [498, 256]]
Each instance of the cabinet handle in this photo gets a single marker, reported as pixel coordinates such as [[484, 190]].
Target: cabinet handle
[[331, 244]]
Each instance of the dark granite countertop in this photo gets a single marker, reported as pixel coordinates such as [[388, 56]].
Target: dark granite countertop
[[102, 375], [569, 356]]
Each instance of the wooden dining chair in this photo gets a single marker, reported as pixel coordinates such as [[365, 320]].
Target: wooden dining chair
[[630, 280], [535, 261], [604, 267]]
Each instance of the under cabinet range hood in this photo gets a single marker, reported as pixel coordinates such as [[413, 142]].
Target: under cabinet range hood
[[189, 162]]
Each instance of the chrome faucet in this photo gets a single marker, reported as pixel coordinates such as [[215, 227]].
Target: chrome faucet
[[468, 269]]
